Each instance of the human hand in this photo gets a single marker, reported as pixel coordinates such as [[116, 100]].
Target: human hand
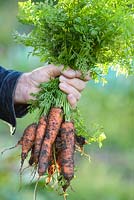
[[70, 83]]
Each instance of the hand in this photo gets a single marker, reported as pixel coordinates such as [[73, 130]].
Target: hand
[[70, 83]]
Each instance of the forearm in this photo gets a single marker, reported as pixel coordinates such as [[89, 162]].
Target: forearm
[[22, 89]]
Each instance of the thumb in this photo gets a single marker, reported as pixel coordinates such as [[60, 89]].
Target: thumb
[[45, 73]]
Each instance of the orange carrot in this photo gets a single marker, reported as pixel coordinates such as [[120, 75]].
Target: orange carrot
[[67, 152], [51, 161], [28, 141], [40, 132], [53, 125]]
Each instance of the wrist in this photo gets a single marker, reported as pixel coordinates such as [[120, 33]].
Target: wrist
[[21, 91]]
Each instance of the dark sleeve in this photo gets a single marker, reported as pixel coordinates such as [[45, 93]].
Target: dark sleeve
[[9, 111]]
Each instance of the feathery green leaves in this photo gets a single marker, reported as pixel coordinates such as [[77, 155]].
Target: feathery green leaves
[[83, 34]]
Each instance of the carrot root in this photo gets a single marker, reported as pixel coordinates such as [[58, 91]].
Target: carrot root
[[13, 147], [67, 153], [53, 125], [27, 142], [40, 132]]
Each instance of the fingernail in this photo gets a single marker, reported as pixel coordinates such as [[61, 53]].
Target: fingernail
[[69, 73], [62, 85], [72, 100], [62, 78]]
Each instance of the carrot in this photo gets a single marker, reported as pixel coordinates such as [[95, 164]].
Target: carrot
[[67, 152], [53, 125], [28, 141], [40, 132], [58, 143], [51, 162]]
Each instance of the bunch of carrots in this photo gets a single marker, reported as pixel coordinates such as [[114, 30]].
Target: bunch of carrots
[[51, 141], [51, 144]]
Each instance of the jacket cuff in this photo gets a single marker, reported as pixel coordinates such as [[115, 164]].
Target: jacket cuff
[[9, 111]]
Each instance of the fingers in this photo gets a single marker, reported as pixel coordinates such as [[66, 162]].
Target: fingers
[[73, 95], [72, 85], [72, 100], [74, 82], [69, 73]]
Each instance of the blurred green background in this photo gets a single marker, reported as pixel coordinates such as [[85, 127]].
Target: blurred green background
[[110, 174]]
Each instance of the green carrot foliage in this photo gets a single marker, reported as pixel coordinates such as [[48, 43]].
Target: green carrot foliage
[[87, 35]]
